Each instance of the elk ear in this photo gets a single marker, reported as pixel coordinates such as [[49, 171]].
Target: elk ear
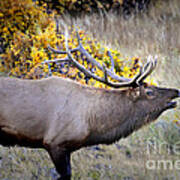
[[135, 93]]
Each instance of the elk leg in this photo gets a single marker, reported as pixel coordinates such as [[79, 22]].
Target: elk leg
[[61, 160]]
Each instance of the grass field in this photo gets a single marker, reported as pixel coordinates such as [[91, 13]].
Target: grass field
[[155, 33]]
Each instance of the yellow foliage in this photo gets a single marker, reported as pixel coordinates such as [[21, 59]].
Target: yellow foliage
[[28, 30]]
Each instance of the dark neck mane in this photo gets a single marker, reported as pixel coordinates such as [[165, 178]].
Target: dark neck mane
[[112, 117]]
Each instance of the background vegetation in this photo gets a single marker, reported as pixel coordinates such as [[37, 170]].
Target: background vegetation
[[26, 31], [24, 46], [77, 7]]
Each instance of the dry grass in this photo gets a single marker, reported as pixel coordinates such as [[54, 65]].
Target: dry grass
[[157, 32]]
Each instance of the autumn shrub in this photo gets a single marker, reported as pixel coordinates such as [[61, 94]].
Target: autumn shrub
[[21, 16], [25, 55], [27, 30]]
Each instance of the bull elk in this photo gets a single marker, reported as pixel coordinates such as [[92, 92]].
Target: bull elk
[[62, 116]]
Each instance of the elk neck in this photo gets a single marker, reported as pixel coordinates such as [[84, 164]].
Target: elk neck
[[111, 116]]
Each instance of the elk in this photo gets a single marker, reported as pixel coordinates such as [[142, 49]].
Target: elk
[[63, 116]]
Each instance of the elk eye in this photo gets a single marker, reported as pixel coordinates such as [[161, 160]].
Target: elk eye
[[150, 93]]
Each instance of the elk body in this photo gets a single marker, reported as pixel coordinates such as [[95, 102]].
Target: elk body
[[62, 116]]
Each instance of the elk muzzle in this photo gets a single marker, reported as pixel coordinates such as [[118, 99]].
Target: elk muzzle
[[173, 104]]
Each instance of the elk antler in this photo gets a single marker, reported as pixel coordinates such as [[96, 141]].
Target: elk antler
[[122, 82]]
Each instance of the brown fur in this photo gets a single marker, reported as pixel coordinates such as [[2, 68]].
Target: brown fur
[[62, 116]]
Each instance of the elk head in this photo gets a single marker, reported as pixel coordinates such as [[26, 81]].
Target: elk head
[[150, 101]]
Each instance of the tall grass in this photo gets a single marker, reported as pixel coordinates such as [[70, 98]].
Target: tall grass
[[156, 32]]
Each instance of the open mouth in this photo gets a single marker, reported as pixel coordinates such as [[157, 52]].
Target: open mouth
[[172, 104]]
